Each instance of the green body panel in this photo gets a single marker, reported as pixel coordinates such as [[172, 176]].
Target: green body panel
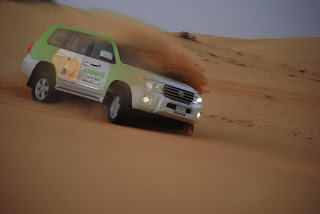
[[42, 51], [124, 74]]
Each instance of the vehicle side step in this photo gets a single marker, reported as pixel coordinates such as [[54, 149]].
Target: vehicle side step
[[89, 96]]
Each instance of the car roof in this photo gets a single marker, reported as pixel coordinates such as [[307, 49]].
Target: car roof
[[54, 27]]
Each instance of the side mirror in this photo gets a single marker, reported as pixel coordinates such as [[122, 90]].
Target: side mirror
[[106, 55]]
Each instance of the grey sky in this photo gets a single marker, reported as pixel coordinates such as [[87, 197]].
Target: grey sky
[[232, 18]]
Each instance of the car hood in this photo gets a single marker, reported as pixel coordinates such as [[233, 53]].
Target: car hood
[[161, 78]]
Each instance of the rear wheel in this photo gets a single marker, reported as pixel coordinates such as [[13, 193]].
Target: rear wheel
[[119, 108], [43, 89]]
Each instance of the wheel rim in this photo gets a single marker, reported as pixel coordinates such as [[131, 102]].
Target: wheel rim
[[115, 106], [42, 89]]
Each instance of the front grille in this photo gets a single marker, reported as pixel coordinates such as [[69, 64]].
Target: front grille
[[178, 94]]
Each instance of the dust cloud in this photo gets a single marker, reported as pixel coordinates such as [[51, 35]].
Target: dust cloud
[[144, 46]]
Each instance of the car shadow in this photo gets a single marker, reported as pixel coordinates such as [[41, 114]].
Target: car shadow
[[154, 122]]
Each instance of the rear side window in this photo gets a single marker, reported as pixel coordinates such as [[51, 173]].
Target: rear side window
[[99, 46], [81, 43], [60, 38]]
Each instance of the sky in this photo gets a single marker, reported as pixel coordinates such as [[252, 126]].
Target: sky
[[249, 19]]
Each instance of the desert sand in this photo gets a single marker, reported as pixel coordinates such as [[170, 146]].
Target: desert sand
[[255, 150]]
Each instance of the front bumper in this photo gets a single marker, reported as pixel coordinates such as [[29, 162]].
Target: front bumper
[[159, 104]]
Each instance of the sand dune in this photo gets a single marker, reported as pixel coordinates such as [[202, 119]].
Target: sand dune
[[255, 150]]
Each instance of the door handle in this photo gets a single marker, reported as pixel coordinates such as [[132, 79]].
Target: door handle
[[97, 65], [60, 54], [86, 63]]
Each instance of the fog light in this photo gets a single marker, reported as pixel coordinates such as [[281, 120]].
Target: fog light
[[146, 99], [199, 115]]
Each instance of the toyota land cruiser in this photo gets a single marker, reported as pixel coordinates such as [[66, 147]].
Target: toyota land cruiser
[[88, 65]]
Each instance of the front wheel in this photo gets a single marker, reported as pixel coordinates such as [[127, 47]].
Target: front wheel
[[43, 89], [119, 108]]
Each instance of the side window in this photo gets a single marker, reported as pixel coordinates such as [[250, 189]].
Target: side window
[[99, 46], [81, 43], [59, 38]]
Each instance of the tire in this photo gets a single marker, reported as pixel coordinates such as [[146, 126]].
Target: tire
[[43, 89], [119, 108]]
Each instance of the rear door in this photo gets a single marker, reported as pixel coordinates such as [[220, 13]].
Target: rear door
[[68, 59], [94, 70]]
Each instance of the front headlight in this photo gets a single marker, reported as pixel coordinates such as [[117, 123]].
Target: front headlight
[[151, 84], [197, 99]]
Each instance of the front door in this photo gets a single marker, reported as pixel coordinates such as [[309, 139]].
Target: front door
[[93, 74], [94, 70]]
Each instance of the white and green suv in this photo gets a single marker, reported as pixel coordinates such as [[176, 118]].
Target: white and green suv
[[89, 65]]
